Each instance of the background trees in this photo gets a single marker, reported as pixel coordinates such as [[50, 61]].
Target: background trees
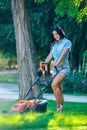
[[7, 37], [71, 15]]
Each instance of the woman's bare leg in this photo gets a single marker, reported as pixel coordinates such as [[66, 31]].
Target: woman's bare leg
[[57, 88], [61, 95]]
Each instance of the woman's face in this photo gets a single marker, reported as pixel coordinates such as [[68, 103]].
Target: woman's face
[[56, 36]]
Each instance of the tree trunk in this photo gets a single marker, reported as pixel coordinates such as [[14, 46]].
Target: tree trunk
[[26, 54]]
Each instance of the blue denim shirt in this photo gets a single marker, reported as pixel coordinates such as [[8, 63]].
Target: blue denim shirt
[[58, 48]]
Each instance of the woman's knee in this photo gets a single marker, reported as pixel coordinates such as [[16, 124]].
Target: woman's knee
[[55, 85]]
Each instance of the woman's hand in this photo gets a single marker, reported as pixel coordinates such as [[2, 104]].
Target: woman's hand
[[42, 64], [54, 64]]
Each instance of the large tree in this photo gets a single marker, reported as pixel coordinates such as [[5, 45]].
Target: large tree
[[26, 54]]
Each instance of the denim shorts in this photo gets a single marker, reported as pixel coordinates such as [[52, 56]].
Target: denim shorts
[[65, 68]]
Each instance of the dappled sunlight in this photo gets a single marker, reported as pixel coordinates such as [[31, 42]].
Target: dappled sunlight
[[55, 121], [68, 128], [73, 120], [30, 119], [50, 120], [7, 122], [18, 118], [61, 120], [31, 116], [13, 119]]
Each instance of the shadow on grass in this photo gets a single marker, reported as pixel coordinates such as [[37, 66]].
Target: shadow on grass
[[26, 121], [74, 118], [43, 121]]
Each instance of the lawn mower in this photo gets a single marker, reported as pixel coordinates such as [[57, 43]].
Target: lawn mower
[[34, 105]]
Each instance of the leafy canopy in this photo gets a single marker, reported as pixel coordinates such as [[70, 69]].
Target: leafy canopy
[[72, 8]]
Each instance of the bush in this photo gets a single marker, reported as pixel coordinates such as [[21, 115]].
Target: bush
[[75, 83], [7, 61]]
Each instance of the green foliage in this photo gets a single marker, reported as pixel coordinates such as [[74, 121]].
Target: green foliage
[[12, 60], [78, 2], [41, 24], [66, 8], [40, 1], [3, 61], [4, 4], [82, 13], [7, 31], [85, 56], [7, 37], [75, 83], [44, 19], [7, 61], [72, 8]]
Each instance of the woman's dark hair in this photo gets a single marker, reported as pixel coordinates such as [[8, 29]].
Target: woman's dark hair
[[59, 31]]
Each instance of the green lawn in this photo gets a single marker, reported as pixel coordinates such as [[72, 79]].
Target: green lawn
[[73, 118], [8, 78]]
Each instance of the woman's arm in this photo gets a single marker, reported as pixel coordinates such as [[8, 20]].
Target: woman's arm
[[49, 57], [61, 57]]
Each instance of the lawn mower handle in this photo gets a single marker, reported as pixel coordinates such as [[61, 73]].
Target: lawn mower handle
[[35, 82], [45, 63], [47, 84], [39, 75], [56, 68]]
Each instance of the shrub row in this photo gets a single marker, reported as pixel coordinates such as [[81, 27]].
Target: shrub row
[[73, 84]]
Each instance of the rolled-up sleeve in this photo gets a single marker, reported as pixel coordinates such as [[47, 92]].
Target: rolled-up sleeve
[[68, 45]]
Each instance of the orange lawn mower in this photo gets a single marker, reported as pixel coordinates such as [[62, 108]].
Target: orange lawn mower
[[34, 105]]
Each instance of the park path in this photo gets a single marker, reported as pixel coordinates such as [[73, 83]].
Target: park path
[[11, 92]]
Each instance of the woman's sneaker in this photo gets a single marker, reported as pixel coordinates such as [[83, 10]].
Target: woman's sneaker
[[60, 109]]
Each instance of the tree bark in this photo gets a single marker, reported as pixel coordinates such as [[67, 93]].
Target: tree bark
[[26, 53]]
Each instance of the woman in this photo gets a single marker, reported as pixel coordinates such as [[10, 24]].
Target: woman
[[60, 49]]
